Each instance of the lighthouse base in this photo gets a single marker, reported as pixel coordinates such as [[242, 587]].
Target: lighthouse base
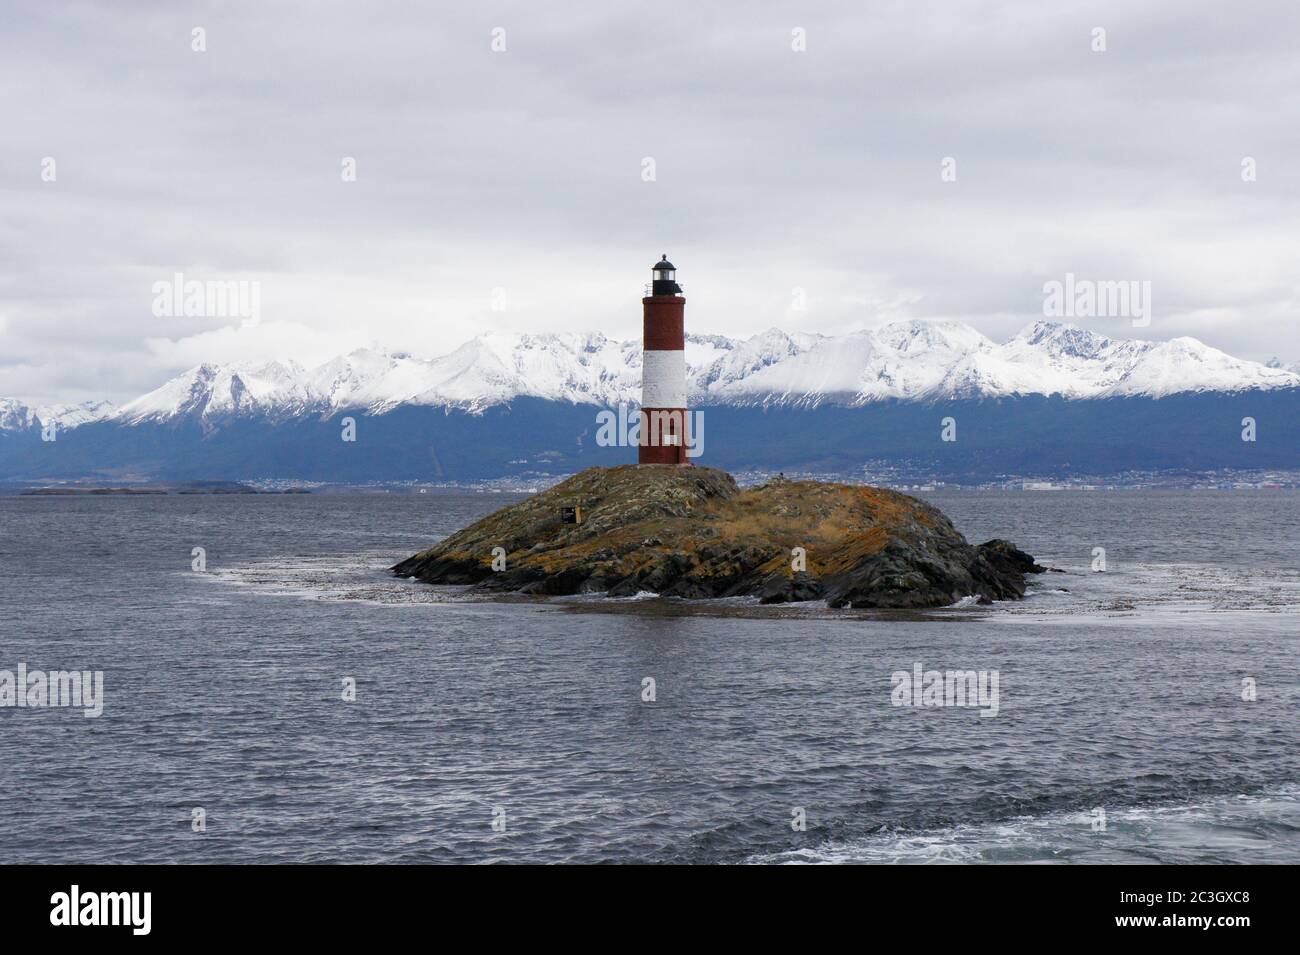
[[662, 456], [662, 436]]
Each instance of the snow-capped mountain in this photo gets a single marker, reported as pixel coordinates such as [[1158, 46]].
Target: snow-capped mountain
[[517, 406], [939, 360], [489, 370], [16, 416], [909, 361], [274, 388]]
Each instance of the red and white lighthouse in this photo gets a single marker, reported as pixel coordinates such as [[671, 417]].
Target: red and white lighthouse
[[663, 370]]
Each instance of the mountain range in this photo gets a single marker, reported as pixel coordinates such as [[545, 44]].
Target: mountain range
[[877, 380]]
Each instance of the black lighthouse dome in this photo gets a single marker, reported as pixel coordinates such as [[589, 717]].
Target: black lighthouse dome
[[665, 278]]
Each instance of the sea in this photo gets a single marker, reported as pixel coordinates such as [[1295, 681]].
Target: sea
[[271, 694]]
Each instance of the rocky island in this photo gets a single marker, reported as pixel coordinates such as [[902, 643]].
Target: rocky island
[[691, 532]]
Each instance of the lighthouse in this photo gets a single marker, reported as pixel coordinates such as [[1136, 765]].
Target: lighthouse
[[663, 370]]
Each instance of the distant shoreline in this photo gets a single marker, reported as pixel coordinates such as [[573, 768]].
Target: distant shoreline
[[1270, 482], [148, 490]]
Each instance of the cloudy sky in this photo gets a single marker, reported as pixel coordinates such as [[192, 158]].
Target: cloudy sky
[[524, 170]]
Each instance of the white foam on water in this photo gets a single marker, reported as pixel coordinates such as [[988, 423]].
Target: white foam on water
[[1249, 829], [1159, 594], [361, 578]]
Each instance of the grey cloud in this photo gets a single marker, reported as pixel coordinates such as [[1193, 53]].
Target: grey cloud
[[521, 170]]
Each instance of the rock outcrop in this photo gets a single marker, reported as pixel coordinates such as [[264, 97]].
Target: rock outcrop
[[691, 532]]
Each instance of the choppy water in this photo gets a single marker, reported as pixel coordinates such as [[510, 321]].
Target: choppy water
[[1119, 691]]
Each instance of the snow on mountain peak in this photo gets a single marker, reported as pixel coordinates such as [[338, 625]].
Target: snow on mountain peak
[[1063, 339], [208, 390], [917, 336], [17, 416]]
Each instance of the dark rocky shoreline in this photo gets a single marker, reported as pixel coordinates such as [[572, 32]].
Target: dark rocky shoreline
[[692, 533]]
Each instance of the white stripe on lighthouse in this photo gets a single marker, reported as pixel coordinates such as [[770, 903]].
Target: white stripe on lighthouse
[[663, 379]]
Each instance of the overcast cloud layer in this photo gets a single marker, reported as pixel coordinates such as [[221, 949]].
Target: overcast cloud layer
[[522, 170]]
